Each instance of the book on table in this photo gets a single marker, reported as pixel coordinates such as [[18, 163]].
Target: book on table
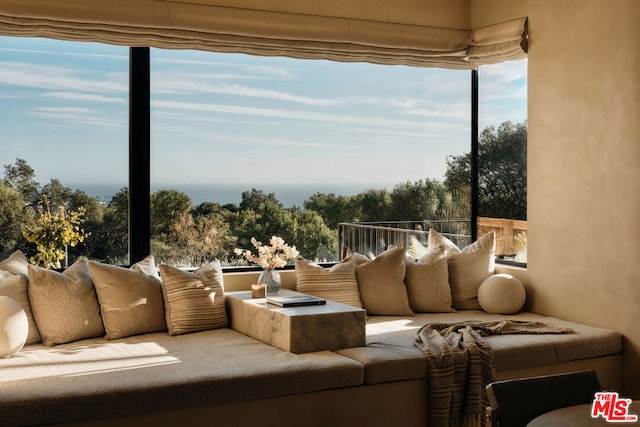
[[295, 301]]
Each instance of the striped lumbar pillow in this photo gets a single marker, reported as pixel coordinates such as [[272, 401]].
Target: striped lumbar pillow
[[193, 301], [337, 284]]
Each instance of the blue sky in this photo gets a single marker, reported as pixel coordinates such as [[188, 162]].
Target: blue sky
[[227, 118]]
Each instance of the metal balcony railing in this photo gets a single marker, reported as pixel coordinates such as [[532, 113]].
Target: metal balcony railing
[[373, 238]]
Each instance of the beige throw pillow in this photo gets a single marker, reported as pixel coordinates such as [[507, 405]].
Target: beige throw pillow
[[337, 284], [16, 263], [381, 283], [427, 282], [468, 267], [130, 301], [194, 301], [64, 305], [15, 286], [147, 267], [436, 239]]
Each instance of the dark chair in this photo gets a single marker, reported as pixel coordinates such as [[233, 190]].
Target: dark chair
[[514, 403]]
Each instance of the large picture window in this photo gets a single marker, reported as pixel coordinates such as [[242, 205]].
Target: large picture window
[[502, 158], [246, 146], [64, 121]]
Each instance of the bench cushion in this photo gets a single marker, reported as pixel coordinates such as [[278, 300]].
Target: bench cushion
[[96, 378], [391, 356]]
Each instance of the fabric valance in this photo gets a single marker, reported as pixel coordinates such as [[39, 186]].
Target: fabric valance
[[205, 26]]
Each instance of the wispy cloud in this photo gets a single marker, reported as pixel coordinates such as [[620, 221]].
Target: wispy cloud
[[79, 116], [499, 77], [276, 72], [311, 116], [244, 71], [503, 93], [287, 143], [457, 112], [253, 92], [85, 97], [49, 77], [203, 85], [66, 95], [59, 53]]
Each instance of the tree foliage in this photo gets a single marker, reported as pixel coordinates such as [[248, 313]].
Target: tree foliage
[[419, 200], [201, 239], [167, 206], [21, 177], [110, 238], [334, 208], [254, 198], [502, 171], [374, 205], [11, 217], [314, 239]]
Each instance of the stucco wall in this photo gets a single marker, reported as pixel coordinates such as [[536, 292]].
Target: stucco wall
[[584, 172], [583, 163], [487, 12]]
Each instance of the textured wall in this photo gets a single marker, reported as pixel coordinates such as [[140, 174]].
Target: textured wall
[[487, 12], [584, 174]]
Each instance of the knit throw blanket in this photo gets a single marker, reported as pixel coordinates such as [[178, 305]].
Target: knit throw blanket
[[461, 365]]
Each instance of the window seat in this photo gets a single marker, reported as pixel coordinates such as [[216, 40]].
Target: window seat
[[224, 377]]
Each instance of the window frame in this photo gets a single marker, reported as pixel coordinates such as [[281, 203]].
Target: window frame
[[140, 156]]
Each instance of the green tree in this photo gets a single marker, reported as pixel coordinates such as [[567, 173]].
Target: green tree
[[312, 237], [419, 200], [375, 205], [273, 219], [502, 171], [254, 198], [201, 239], [207, 208], [94, 210], [167, 206], [21, 177], [56, 193], [334, 208], [242, 223], [11, 218], [93, 221], [111, 242], [300, 227]]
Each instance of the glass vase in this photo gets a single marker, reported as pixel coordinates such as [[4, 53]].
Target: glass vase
[[270, 278]]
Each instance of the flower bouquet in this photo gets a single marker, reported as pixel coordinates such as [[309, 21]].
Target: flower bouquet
[[269, 257]]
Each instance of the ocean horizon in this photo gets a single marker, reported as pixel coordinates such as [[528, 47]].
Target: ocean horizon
[[288, 194]]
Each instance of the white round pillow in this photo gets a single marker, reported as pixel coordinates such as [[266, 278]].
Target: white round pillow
[[14, 327], [501, 294]]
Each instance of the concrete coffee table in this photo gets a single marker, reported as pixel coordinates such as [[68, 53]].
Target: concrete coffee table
[[303, 329]]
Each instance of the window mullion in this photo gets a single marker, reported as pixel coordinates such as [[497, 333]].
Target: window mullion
[[474, 155], [139, 154]]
